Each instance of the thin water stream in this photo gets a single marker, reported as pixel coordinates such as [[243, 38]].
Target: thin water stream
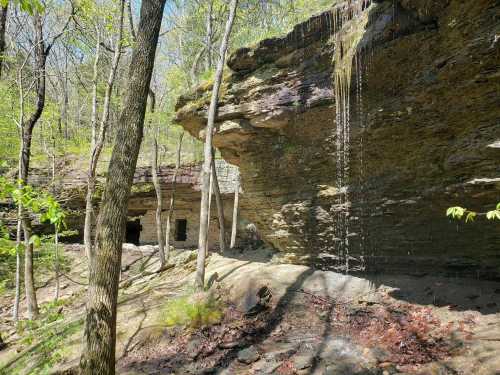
[[348, 24]]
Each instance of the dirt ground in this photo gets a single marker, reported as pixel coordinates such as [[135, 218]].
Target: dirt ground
[[278, 319]]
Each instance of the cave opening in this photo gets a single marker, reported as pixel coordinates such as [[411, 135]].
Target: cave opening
[[181, 230], [133, 232]]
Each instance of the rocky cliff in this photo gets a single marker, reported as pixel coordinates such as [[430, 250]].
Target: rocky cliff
[[357, 130]]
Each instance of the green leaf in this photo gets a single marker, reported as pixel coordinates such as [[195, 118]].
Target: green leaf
[[470, 217], [456, 212], [35, 240], [493, 215]]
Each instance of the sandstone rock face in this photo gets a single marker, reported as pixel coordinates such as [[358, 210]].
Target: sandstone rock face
[[143, 203], [423, 135]]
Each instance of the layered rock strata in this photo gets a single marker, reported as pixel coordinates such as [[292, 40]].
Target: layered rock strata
[[423, 133]]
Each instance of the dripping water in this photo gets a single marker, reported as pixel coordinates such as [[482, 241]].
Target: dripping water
[[347, 36]]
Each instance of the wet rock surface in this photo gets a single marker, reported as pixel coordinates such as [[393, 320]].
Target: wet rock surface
[[423, 115]]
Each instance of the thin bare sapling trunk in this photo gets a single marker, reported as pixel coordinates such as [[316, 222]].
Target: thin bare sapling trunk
[[156, 183], [220, 208], [56, 262], [98, 356], [51, 153], [99, 132], [210, 194], [207, 163], [26, 131], [41, 51], [235, 211], [209, 34], [17, 297], [172, 196], [89, 209]]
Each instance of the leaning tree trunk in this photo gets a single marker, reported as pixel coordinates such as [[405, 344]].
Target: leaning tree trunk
[[4, 10], [172, 196], [98, 355], [220, 209], [207, 163], [235, 211]]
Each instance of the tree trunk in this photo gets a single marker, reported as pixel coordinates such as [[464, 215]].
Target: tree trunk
[[157, 186], [4, 10], [172, 196], [40, 56], [17, 298], [194, 67], [209, 34], [27, 133], [220, 209], [159, 203], [235, 211], [207, 163], [29, 281], [98, 355], [56, 263], [99, 132], [210, 194], [131, 20], [89, 209]]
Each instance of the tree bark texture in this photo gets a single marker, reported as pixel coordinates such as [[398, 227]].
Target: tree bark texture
[[98, 355]]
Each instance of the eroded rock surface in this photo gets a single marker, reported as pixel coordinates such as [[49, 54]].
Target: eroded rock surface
[[424, 122]]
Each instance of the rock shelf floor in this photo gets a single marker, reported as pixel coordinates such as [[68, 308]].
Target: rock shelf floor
[[316, 322]]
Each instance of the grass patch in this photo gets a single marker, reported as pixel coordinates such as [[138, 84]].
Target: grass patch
[[193, 311], [43, 263], [43, 340]]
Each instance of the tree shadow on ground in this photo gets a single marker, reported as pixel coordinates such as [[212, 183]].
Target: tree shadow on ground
[[456, 293]]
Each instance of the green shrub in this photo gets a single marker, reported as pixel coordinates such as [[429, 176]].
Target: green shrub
[[196, 310]]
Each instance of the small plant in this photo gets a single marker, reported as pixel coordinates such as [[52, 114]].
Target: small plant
[[194, 311], [38, 203], [458, 213]]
